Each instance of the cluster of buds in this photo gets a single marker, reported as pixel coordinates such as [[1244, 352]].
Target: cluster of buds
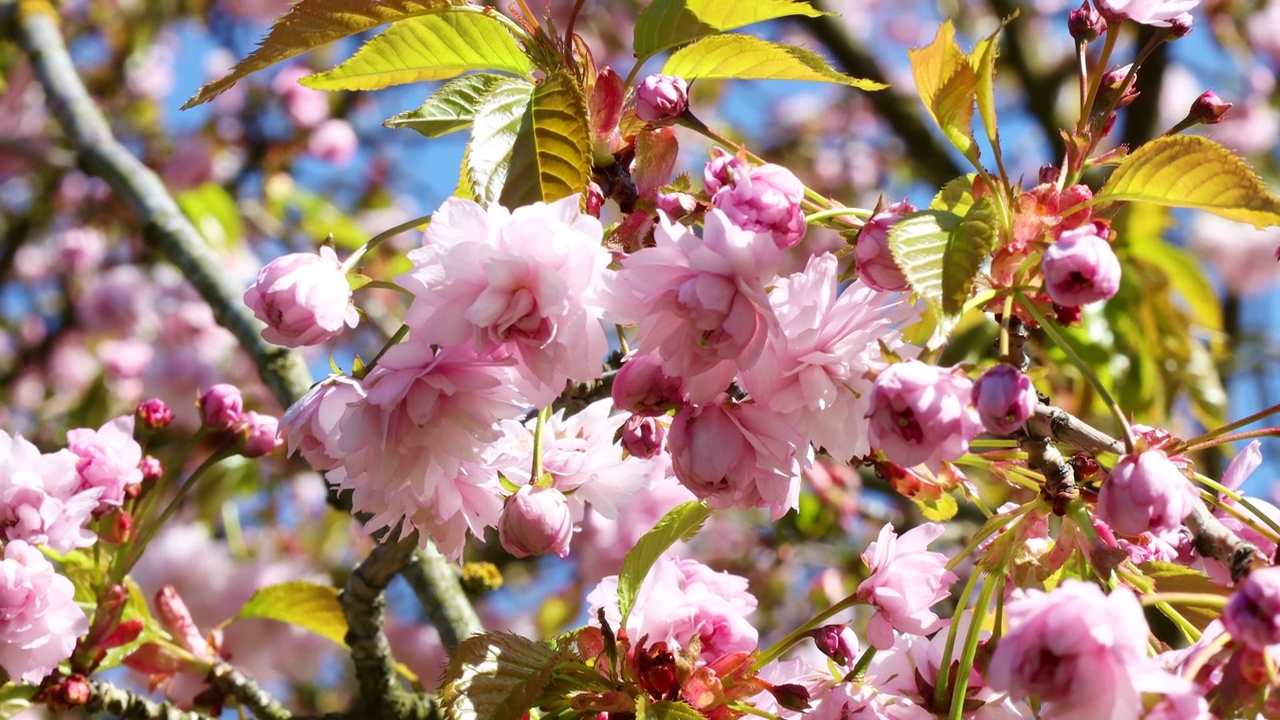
[[222, 412]]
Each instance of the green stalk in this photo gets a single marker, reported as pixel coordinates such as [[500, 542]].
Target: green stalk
[[777, 649], [970, 648], [940, 688]]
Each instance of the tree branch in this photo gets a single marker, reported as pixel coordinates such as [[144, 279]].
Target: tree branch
[[105, 697], [233, 683], [364, 606], [436, 584], [901, 111]]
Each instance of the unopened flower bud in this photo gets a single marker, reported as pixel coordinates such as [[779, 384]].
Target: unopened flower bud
[[676, 204], [304, 298], [642, 387], [1209, 108], [836, 642], [68, 693], [791, 696], [536, 521], [221, 407], [1252, 615], [1145, 492], [121, 529], [1080, 268], [1118, 87], [642, 436], [173, 614], [876, 266], [593, 200], [151, 469], [661, 97], [1005, 398], [260, 435], [154, 414], [1086, 23]]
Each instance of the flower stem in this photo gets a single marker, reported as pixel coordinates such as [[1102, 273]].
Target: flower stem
[[777, 649], [970, 652]]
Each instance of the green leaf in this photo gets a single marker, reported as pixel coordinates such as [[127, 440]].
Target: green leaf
[[956, 196], [744, 57], [682, 523], [672, 710], [315, 214], [308, 605], [551, 158], [15, 698], [431, 47], [1171, 578], [983, 61], [496, 676], [947, 85], [312, 23], [967, 248], [214, 213], [1193, 172], [667, 23], [493, 137], [450, 108], [918, 243]]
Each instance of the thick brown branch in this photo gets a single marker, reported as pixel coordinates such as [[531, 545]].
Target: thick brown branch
[[435, 582], [105, 697], [233, 683]]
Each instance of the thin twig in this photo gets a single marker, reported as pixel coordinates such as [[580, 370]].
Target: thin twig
[[233, 683]]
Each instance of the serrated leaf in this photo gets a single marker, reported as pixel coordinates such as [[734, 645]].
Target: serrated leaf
[[682, 523], [431, 47], [450, 108], [967, 248], [956, 196], [947, 84], [551, 158], [308, 605], [496, 676], [312, 23], [918, 242], [672, 710], [744, 57], [1193, 172], [667, 23], [493, 136]]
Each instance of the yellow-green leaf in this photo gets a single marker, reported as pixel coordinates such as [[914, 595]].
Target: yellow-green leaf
[[682, 523], [983, 61], [667, 23], [1193, 172], [551, 158], [431, 47], [744, 57], [312, 23], [214, 213], [918, 243], [308, 605], [956, 196], [450, 108], [495, 676], [947, 85], [1171, 578], [493, 137], [967, 248]]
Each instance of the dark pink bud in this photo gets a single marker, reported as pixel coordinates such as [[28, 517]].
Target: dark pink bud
[[260, 435], [677, 204], [151, 469], [876, 266], [594, 200], [791, 696], [1086, 23], [154, 414], [1252, 615], [173, 614], [536, 521], [836, 642], [1209, 108], [1116, 86], [107, 617], [221, 407], [643, 388], [642, 436], [661, 97], [1080, 268], [121, 529], [1005, 398], [125, 633]]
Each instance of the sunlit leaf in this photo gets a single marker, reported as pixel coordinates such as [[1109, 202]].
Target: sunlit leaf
[[956, 196], [493, 137], [307, 605], [551, 157], [431, 47], [918, 243], [967, 248], [749, 58], [668, 23], [1193, 172], [450, 108], [214, 213], [682, 523], [312, 23], [947, 85], [1171, 578], [495, 676], [983, 61], [15, 698]]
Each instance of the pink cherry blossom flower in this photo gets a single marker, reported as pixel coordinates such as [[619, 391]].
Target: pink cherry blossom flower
[[39, 619], [108, 459], [1004, 398], [876, 266], [642, 387], [906, 581], [642, 436], [814, 372], [921, 414], [221, 407], [1242, 466], [1181, 706], [526, 282], [536, 521], [1080, 268], [661, 97], [334, 141], [1081, 652], [738, 455], [700, 301], [1145, 492], [41, 501], [1147, 12], [764, 199], [304, 298], [306, 107], [259, 433], [680, 600], [411, 448], [1252, 615], [312, 424]]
